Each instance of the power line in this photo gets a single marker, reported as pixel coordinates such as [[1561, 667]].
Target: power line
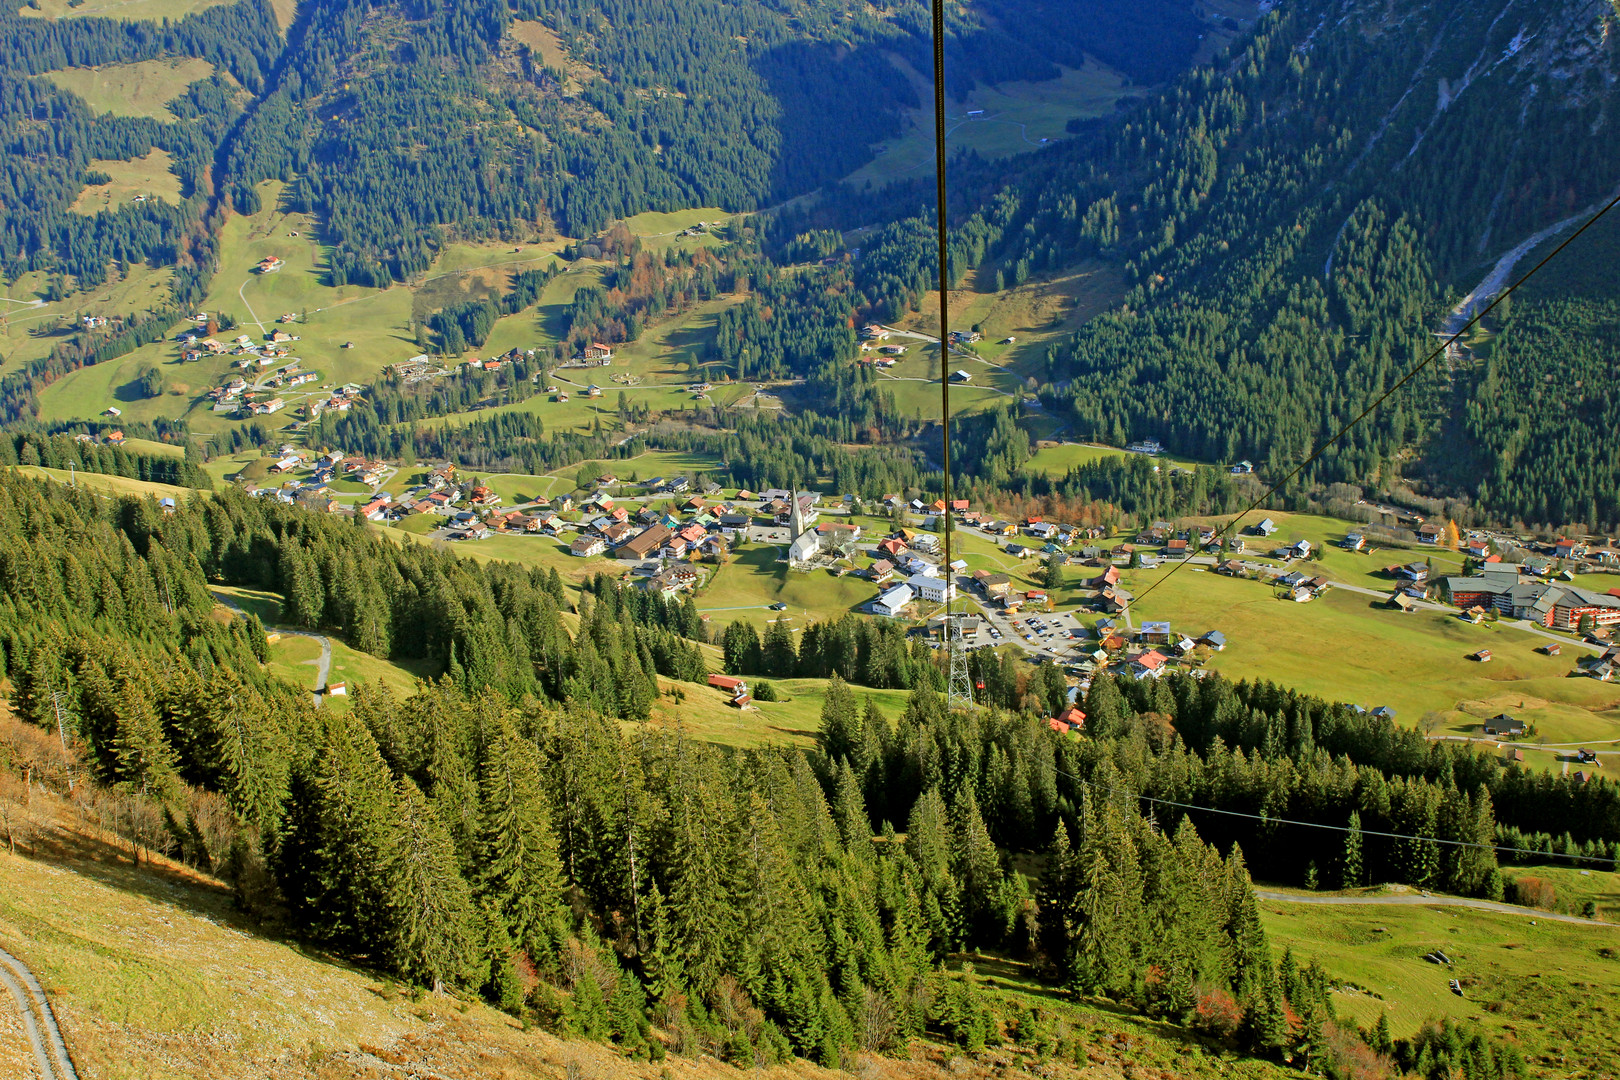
[[1368, 411], [959, 686], [944, 272], [1331, 828]]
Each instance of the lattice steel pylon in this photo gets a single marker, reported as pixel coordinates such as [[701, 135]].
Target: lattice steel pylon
[[959, 689]]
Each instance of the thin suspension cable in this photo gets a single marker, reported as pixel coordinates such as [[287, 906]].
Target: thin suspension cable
[[1331, 828], [1368, 411], [944, 278]]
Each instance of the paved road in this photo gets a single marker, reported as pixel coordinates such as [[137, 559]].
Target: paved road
[[50, 1052], [323, 666], [1419, 899]]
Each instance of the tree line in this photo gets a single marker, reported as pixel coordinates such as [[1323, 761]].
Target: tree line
[[61, 452]]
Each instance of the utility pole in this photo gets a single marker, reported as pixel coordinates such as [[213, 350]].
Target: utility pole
[[61, 732]]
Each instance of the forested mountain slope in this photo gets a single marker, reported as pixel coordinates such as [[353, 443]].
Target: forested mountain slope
[[1292, 222], [397, 119]]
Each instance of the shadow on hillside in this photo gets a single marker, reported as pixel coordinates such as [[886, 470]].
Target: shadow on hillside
[[163, 881], [156, 878], [794, 733]]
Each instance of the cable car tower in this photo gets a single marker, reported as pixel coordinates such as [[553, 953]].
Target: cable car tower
[[959, 687]]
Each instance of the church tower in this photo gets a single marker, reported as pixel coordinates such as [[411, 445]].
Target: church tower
[[795, 517]]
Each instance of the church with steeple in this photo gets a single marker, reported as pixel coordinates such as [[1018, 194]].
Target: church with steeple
[[804, 541]]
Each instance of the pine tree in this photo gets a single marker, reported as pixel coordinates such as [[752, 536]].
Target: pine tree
[[849, 811], [1059, 896], [977, 867], [1052, 574], [780, 659], [1105, 709], [144, 759], [840, 737], [1380, 1039]]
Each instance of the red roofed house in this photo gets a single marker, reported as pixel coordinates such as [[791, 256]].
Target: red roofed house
[[1070, 719], [731, 684], [1150, 665]]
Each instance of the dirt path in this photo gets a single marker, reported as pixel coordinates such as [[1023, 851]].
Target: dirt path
[[323, 666], [50, 1052], [1409, 899], [241, 294]]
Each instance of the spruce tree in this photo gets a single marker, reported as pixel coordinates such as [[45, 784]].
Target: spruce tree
[[977, 866], [1351, 874], [1059, 897], [840, 737], [520, 872], [432, 921], [849, 811], [780, 660]]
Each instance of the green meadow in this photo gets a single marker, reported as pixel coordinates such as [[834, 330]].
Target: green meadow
[[1349, 647], [1543, 986], [144, 88]]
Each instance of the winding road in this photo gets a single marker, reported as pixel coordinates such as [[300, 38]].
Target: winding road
[[323, 666], [50, 1051], [1409, 899]]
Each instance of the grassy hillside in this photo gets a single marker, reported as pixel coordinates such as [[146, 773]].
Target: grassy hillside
[[152, 971], [29, 326], [993, 121], [1546, 986], [132, 10], [112, 485], [140, 89], [127, 180], [1349, 647]]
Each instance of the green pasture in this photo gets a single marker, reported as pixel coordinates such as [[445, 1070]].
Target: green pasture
[[1016, 117], [30, 327], [111, 485], [701, 712], [1349, 647], [129, 10], [149, 176], [144, 88]]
